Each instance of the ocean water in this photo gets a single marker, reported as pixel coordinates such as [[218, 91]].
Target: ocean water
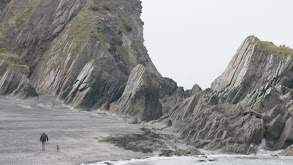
[[206, 160], [263, 157]]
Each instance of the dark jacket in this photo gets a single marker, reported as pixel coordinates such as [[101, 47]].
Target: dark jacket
[[43, 138]]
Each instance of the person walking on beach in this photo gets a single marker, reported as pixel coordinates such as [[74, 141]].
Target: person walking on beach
[[43, 139]]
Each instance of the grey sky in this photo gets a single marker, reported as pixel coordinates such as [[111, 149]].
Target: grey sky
[[192, 41]]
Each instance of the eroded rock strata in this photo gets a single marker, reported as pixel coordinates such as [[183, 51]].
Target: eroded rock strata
[[59, 40], [250, 101], [91, 55], [140, 98]]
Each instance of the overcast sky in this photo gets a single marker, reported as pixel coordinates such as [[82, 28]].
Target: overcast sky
[[192, 41]]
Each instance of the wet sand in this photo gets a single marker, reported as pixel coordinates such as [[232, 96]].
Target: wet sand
[[76, 133]]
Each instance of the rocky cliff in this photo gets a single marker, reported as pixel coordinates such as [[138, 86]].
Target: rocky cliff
[[13, 76], [249, 102], [81, 51], [140, 98], [91, 55]]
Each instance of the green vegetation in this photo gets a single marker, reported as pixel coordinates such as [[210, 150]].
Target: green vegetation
[[87, 24], [271, 47], [8, 56], [78, 31], [108, 139], [91, 22], [24, 69], [12, 60], [125, 25]]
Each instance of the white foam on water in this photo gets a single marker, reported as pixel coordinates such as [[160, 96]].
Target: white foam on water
[[263, 157], [222, 159], [46, 106], [25, 106], [264, 150]]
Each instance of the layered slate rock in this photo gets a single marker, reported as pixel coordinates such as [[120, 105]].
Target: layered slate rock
[[24, 89], [57, 39], [286, 137], [100, 80], [30, 25], [140, 98], [170, 95], [3, 67], [250, 101], [195, 89], [256, 64], [288, 151], [16, 84], [10, 81]]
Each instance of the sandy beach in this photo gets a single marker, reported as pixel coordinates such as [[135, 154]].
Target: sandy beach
[[76, 132]]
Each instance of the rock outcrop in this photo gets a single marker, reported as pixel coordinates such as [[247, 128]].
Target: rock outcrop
[[195, 89], [250, 101], [100, 80], [24, 89], [256, 64], [59, 40], [140, 98], [288, 151], [16, 84]]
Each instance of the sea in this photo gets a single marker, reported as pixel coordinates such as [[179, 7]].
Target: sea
[[264, 156]]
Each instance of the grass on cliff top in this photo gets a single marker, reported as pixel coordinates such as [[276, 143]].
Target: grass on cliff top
[[84, 26], [6, 55], [24, 69], [271, 47], [77, 32], [12, 60]]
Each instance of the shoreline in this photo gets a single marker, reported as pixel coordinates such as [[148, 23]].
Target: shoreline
[[76, 133]]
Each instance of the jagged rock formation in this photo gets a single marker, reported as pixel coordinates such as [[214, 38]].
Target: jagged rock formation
[[14, 83], [13, 76], [140, 98], [59, 40], [24, 89], [250, 101], [195, 89], [256, 64]]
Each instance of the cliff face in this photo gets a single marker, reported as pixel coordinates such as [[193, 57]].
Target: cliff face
[[62, 40], [256, 64], [250, 101], [140, 98]]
